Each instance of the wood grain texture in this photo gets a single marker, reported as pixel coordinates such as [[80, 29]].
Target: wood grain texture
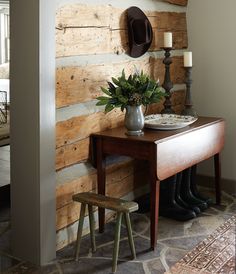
[[80, 15], [72, 154], [172, 153], [178, 2], [104, 201], [82, 29], [120, 181], [78, 128], [115, 173], [82, 84]]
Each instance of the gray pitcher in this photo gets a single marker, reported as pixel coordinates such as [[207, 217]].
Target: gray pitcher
[[134, 120]]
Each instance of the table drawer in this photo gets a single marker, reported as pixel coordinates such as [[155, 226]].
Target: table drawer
[[183, 151]]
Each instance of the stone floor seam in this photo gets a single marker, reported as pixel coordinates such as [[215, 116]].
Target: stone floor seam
[[163, 259], [144, 237], [145, 268]]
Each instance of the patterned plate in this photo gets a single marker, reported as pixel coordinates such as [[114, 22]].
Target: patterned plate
[[168, 121]]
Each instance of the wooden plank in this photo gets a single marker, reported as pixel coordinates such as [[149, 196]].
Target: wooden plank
[[94, 33], [178, 98], [178, 2], [81, 84], [86, 16], [69, 213], [72, 154], [115, 173], [172, 21], [82, 15], [78, 128], [78, 41]]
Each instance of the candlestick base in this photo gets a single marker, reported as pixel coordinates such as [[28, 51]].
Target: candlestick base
[[190, 112], [167, 106]]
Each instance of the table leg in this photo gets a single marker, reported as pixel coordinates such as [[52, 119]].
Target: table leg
[[155, 191], [101, 180], [217, 164]]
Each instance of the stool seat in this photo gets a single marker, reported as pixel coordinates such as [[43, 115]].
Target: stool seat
[[122, 207], [102, 201]]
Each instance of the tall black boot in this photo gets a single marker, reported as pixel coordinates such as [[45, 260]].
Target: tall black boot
[[168, 206], [186, 193], [179, 199], [194, 189]]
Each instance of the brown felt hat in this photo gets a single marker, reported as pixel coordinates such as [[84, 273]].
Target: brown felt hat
[[140, 32]]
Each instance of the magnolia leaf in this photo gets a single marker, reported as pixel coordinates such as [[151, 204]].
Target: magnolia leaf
[[109, 107], [101, 103], [123, 74], [112, 88], [103, 98], [106, 91], [115, 81]]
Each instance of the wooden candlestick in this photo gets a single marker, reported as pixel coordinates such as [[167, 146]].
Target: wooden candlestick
[[167, 85], [189, 110]]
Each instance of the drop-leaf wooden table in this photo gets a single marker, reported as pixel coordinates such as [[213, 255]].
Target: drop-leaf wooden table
[[167, 152]]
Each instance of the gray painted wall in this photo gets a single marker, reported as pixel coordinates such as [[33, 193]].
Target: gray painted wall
[[211, 29], [32, 74]]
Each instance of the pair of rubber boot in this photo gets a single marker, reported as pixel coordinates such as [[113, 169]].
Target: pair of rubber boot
[[179, 197]]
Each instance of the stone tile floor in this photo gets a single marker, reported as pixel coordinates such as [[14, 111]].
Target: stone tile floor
[[175, 239]]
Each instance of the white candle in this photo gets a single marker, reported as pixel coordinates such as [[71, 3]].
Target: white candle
[[188, 59], [167, 39]]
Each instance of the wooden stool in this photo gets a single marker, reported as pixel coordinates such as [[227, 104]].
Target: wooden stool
[[118, 205]]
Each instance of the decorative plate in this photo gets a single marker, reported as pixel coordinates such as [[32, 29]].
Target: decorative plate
[[168, 121]]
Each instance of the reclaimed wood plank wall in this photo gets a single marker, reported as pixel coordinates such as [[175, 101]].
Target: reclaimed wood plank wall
[[91, 47]]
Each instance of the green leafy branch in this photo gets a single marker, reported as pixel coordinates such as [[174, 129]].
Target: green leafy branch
[[137, 89]]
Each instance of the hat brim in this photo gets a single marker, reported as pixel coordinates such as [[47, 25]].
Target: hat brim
[[140, 32]]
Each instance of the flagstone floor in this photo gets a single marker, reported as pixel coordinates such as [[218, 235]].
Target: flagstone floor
[[175, 239]]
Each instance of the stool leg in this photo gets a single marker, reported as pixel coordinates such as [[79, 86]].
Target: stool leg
[[130, 236], [117, 241], [92, 227], [80, 228]]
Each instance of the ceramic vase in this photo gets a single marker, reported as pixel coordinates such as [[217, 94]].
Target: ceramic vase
[[134, 120]]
